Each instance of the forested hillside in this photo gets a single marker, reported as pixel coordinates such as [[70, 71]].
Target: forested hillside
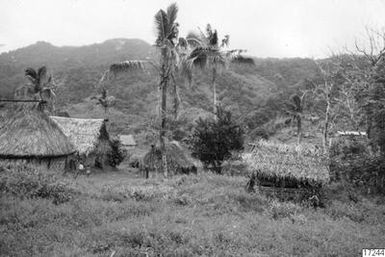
[[244, 89]]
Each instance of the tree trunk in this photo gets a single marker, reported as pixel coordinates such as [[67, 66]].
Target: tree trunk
[[176, 99], [105, 113], [299, 129], [162, 132], [326, 125], [214, 91]]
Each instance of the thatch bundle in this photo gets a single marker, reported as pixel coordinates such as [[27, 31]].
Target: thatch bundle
[[288, 165], [31, 134], [177, 162]]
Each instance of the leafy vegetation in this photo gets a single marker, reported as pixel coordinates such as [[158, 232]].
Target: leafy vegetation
[[213, 140], [117, 153]]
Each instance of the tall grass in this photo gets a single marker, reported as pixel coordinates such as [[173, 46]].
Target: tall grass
[[204, 215]]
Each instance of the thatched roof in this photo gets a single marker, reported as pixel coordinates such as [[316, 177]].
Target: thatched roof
[[83, 133], [30, 133], [176, 159], [127, 140], [296, 162]]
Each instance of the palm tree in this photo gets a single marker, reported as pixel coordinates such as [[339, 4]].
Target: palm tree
[[166, 41], [295, 109], [41, 87], [105, 101], [207, 53]]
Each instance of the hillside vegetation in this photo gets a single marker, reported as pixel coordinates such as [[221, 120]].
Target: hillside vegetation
[[77, 71]]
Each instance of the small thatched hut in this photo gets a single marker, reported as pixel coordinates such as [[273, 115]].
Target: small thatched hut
[[288, 166], [90, 138], [128, 141], [177, 162], [30, 137]]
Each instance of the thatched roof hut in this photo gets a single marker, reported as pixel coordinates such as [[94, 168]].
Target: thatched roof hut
[[177, 161], [288, 165], [30, 135], [89, 136]]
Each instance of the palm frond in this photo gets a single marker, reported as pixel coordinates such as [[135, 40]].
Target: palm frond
[[172, 12], [243, 60], [213, 39], [42, 74], [126, 66], [161, 26], [194, 40], [31, 74]]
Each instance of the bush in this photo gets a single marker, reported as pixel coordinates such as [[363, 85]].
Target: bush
[[213, 141], [117, 153], [352, 162], [24, 181], [344, 152], [377, 133]]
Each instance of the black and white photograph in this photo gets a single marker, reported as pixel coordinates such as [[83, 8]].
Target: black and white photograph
[[177, 128]]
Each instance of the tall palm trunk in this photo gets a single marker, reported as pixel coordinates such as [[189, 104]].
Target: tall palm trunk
[[299, 129], [163, 84], [214, 91], [106, 113], [176, 98]]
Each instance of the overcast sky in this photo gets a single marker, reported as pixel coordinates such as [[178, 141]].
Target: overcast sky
[[266, 28]]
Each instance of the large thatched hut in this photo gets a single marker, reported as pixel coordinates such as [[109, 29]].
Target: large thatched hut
[[177, 162], [30, 137], [90, 138]]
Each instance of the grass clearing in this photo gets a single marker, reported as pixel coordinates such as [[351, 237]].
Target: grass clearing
[[203, 215]]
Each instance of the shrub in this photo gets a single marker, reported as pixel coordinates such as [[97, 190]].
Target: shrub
[[117, 153], [24, 181], [377, 134], [213, 139], [351, 161]]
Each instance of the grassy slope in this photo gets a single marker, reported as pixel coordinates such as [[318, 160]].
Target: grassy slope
[[204, 215]]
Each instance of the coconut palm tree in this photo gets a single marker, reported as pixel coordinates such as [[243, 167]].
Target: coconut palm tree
[[295, 109], [41, 87], [208, 53], [166, 42], [105, 101]]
